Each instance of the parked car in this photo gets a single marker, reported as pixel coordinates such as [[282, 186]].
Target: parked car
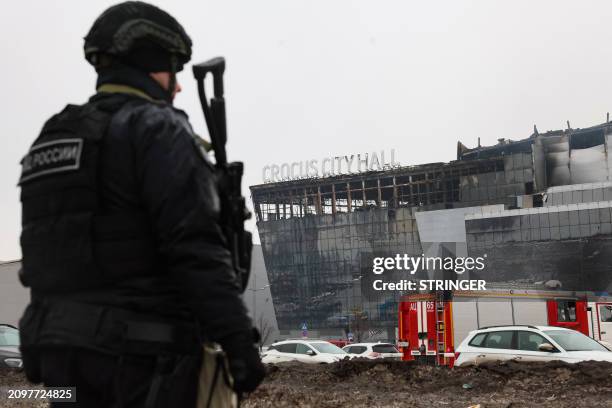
[[373, 350], [528, 343], [305, 351], [9, 347]]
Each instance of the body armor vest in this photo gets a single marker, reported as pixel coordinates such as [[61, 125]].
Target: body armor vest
[[67, 242]]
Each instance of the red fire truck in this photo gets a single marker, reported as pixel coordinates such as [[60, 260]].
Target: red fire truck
[[429, 326]]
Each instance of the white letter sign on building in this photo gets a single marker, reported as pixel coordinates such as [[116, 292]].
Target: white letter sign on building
[[330, 166]]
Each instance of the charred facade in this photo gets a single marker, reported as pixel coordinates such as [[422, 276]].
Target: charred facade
[[538, 207]]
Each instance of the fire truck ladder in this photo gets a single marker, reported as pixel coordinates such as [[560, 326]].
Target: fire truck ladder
[[440, 330]]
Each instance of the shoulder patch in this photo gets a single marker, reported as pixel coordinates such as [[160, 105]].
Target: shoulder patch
[[57, 156]]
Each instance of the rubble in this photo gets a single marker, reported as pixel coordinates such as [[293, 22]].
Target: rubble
[[361, 383], [10, 378], [370, 383]]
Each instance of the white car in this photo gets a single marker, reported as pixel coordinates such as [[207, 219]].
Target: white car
[[373, 350], [305, 351], [528, 343]]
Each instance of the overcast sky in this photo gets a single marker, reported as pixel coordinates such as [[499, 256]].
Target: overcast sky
[[308, 79]]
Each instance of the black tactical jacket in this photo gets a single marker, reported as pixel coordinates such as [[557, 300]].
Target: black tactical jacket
[[151, 165]]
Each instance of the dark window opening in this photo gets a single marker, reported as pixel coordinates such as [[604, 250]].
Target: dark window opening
[[584, 140], [538, 200], [566, 311]]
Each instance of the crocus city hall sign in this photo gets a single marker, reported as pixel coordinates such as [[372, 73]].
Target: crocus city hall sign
[[330, 166]]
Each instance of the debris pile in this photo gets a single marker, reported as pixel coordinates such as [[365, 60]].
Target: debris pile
[[360, 383], [11, 379], [370, 383]]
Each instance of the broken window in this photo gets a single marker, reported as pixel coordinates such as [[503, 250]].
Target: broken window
[[584, 140], [436, 186]]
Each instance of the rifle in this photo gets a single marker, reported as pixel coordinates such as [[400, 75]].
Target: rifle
[[233, 205]]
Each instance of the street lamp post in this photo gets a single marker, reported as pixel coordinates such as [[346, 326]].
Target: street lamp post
[[254, 291]]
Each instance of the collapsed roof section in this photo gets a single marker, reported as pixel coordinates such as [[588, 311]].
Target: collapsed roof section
[[513, 173], [560, 157]]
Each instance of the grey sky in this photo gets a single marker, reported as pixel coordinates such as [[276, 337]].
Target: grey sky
[[307, 79]]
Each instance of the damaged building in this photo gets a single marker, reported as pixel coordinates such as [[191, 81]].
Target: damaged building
[[538, 209]]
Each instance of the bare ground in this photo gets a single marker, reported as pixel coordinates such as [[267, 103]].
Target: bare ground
[[401, 384], [360, 383], [15, 379]]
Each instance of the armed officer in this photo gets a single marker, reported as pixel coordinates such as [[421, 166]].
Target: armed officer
[[122, 245]]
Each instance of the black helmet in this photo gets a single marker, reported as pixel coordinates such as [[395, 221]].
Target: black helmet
[[140, 35]]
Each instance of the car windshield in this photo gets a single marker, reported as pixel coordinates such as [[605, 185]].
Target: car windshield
[[574, 341], [9, 336], [384, 348], [327, 348]]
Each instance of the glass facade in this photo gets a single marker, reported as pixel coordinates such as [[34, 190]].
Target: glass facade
[[321, 271]]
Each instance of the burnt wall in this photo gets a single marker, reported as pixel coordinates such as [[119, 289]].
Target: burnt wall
[[320, 267], [577, 157], [570, 244], [501, 186]]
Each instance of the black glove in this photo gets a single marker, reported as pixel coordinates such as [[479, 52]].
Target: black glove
[[244, 362]]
